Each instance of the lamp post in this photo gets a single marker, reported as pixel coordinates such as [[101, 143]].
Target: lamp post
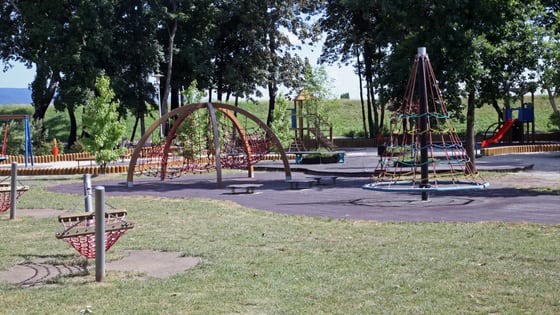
[[158, 77]]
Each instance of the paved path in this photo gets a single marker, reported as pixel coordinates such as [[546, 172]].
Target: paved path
[[500, 202]]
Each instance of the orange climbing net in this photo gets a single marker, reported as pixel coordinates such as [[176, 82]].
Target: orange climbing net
[[79, 230], [191, 147]]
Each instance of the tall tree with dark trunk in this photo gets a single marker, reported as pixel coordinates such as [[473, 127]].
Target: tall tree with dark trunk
[[358, 26], [135, 57]]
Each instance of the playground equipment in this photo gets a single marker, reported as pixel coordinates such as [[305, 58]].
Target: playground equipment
[[11, 192], [5, 143], [309, 130], [205, 137], [498, 135], [91, 237], [424, 153], [28, 146], [80, 228], [521, 129]]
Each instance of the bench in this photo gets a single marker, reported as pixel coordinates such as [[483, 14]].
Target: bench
[[86, 158], [318, 179], [248, 188], [321, 155], [295, 183]]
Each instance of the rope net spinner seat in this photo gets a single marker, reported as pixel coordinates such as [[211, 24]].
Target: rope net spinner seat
[[79, 230], [6, 195]]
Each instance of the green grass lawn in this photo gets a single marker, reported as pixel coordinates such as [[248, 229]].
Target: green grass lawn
[[256, 262]]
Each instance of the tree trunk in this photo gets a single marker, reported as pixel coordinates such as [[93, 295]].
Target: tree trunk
[[381, 107], [498, 110], [470, 136], [359, 67], [369, 87], [272, 84], [142, 124], [272, 90], [174, 98], [134, 127], [73, 127], [167, 87], [552, 101], [42, 97]]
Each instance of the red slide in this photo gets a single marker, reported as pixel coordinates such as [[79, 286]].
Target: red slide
[[498, 136]]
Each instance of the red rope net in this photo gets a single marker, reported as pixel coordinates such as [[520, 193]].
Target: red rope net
[[193, 151], [6, 196], [85, 243]]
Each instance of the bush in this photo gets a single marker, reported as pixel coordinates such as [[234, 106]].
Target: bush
[[554, 120], [101, 121]]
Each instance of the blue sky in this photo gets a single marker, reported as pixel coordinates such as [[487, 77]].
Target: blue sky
[[343, 78]]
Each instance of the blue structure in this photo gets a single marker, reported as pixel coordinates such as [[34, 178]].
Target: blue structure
[[27, 135]]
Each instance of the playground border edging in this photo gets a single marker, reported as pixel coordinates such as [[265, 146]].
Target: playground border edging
[[530, 148]]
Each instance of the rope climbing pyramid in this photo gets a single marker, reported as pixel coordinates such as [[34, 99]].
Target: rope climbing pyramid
[[423, 152]]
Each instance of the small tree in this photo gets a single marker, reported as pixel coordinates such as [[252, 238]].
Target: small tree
[[192, 94], [100, 120], [281, 122]]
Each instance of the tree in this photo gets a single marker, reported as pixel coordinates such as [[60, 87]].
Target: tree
[[475, 52], [355, 32], [549, 68], [69, 43], [279, 18], [135, 57], [238, 55], [101, 123], [32, 33]]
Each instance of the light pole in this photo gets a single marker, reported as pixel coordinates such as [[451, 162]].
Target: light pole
[[158, 77]]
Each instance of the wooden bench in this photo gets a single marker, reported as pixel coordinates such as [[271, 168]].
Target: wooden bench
[[321, 155], [295, 183], [86, 158], [246, 188], [318, 179]]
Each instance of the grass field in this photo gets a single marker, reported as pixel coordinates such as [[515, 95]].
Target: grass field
[[345, 115], [255, 262]]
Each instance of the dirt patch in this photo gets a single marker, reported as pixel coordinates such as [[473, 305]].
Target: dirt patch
[[525, 180], [153, 264], [142, 264], [38, 213]]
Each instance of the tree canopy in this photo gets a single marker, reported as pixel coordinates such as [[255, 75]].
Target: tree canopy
[[481, 50]]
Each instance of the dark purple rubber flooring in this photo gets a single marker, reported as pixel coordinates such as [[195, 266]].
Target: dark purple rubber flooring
[[347, 200]]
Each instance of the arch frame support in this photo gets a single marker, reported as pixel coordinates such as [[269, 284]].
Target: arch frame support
[[182, 112]]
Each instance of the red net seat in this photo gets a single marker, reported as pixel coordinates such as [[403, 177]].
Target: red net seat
[[6, 195], [79, 230]]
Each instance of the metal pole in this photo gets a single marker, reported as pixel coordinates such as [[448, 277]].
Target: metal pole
[[216, 144], [422, 90], [158, 88], [87, 192], [13, 191], [99, 233]]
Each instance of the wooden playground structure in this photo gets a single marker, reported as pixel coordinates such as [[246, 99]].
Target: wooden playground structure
[[310, 132], [204, 137]]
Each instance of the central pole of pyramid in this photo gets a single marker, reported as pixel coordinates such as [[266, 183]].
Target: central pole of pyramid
[[423, 123]]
